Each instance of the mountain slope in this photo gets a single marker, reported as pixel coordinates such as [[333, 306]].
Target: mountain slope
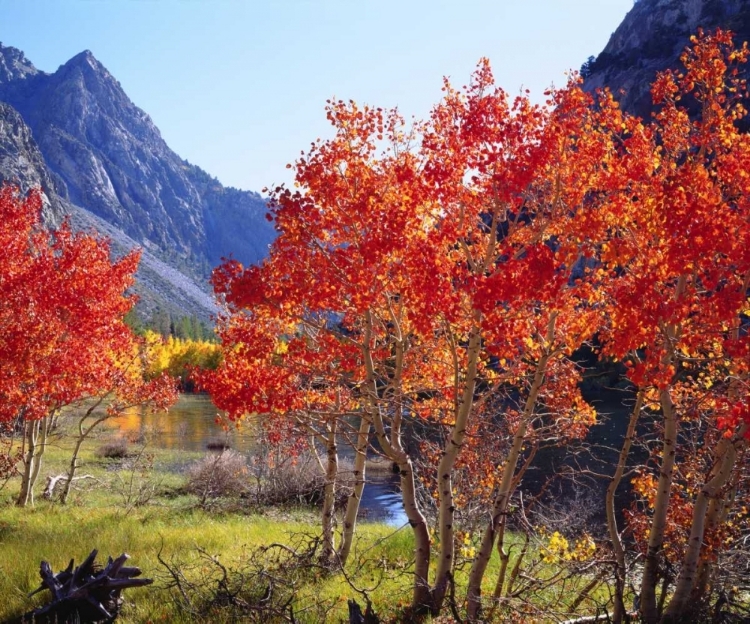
[[159, 286], [22, 163], [107, 162], [114, 162], [651, 39]]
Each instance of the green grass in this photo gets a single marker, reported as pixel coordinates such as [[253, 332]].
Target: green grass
[[171, 524], [56, 534]]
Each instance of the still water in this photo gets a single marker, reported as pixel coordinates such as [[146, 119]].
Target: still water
[[190, 425]]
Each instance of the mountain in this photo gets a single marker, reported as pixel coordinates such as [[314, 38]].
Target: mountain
[[107, 163], [22, 163], [651, 38], [160, 287]]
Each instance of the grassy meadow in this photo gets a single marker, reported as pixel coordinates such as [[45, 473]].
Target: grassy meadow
[[139, 504]]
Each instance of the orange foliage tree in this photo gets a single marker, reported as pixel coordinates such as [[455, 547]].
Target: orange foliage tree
[[679, 252], [411, 260], [422, 270], [62, 335]]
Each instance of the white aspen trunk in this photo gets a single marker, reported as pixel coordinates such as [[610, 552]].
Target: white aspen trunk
[[31, 433], [718, 510], [352, 504], [329, 496], [649, 608], [619, 612], [36, 444], [41, 448], [446, 503], [504, 560], [82, 435], [500, 507], [500, 581], [72, 468], [726, 456], [392, 447]]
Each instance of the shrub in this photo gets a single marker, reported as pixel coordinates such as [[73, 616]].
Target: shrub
[[218, 474], [283, 478], [114, 449]]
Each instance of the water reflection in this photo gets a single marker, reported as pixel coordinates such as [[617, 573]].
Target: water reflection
[[191, 425]]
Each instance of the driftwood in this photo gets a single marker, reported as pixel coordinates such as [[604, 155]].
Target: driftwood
[[87, 594], [53, 481]]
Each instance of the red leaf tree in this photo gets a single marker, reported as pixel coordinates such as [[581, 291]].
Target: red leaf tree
[[62, 334], [411, 259], [678, 249]]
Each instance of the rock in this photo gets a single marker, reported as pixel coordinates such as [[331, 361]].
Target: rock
[[652, 37]]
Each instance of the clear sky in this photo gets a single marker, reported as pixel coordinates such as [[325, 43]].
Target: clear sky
[[238, 87]]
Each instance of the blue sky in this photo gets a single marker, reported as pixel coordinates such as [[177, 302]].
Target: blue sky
[[238, 87]]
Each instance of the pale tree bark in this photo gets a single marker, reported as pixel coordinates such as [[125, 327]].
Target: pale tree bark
[[718, 511], [30, 436], [620, 612], [503, 554], [329, 494], [462, 413], [649, 608], [446, 503], [83, 433], [393, 448], [725, 458], [35, 443], [720, 506], [352, 503], [507, 482], [654, 553]]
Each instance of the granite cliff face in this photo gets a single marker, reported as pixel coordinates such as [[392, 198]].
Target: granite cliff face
[[105, 157], [651, 38], [22, 163]]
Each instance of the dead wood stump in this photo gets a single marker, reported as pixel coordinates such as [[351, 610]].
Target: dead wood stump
[[87, 594]]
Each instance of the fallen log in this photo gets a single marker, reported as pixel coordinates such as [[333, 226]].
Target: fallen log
[[54, 481], [88, 594]]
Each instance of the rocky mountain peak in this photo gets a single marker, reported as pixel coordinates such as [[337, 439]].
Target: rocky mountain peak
[[86, 63], [14, 65], [106, 159]]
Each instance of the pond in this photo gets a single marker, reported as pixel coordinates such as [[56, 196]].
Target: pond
[[190, 425]]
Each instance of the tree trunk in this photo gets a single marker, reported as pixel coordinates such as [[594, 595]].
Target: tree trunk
[[30, 435], [725, 455], [71, 471], [35, 442], [352, 504], [500, 581], [649, 608], [718, 510], [620, 612], [393, 448], [500, 507], [82, 435], [446, 503], [329, 496]]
